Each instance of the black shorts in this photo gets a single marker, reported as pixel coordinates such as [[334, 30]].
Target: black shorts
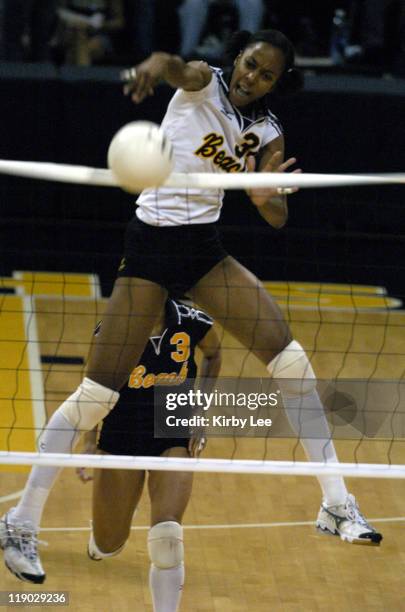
[[174, 257], [129, 430]]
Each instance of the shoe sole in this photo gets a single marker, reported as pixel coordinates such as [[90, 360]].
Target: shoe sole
[[324, 530], [26, 578]]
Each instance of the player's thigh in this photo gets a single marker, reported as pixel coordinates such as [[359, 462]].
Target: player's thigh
[[170, 491], [116, 494], [127, 321], [236, 298]]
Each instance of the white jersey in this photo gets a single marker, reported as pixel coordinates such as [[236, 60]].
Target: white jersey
[[208, 134]]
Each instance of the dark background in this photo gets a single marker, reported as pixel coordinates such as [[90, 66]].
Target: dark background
[[338, 124]]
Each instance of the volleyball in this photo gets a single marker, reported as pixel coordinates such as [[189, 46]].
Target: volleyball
[[140, 156]]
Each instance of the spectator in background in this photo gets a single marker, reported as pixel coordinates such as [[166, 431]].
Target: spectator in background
[[86, 27], [193, 16], [308, 24], [27, 29], [378, 26], [153, 25]]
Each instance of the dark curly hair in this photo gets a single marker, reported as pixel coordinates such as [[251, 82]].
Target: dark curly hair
[[291, 80]]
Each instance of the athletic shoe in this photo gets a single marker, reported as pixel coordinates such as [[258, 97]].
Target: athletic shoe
[[347, 522], [96, 554], [19, 542]]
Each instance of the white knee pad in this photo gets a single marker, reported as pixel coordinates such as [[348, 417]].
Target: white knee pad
[[88, 405], [165, 544], [294, 369]]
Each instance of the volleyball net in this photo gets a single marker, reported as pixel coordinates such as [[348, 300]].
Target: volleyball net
[[339, 289]]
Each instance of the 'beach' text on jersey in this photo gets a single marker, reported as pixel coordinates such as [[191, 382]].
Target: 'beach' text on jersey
[[228, 163]]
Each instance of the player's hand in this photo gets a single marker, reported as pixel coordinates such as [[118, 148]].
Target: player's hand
[[142, 79], [196, 444], [83, 475], [89, 448], [258, 196]]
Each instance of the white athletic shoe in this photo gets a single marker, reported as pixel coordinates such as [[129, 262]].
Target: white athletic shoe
[[19, 542], [96, 554], [347, 522]]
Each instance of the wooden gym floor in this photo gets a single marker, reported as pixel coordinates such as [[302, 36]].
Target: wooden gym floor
[[250, 543]]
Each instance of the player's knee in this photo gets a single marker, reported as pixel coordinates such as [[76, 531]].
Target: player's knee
[[88, 405], [165, 544], [293, 367]]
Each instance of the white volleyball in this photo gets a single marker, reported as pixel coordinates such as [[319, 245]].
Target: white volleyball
[[140, 156]]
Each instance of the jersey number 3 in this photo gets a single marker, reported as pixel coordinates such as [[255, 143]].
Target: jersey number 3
[[182, 342]]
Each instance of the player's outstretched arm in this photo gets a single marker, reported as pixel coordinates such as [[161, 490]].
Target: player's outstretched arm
[[143, 78]]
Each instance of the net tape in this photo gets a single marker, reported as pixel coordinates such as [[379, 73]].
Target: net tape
[[86, 175], [230, 466]]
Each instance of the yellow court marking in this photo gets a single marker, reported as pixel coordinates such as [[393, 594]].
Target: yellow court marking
[[331, 296], [21, 396], [310, 296], [53, 284]]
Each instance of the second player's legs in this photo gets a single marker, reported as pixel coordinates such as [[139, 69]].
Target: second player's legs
[[116, 494], [170, 491], [169, 494]]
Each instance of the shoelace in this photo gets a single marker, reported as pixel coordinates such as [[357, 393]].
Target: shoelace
[[27, 538], [29, 544], [353, 512]]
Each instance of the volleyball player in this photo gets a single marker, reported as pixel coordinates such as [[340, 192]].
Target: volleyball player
[[168, 359], [129, 430], [216, 123]]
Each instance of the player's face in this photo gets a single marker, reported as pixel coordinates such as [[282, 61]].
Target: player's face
[[256, 72]]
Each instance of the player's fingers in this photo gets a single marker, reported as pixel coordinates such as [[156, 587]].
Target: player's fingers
[[141, 86], [201, 445], [129, 78], [127, 89], [289, 190], [297, 171], [251, 163], [273, 163], [81, 473], [289, 162]]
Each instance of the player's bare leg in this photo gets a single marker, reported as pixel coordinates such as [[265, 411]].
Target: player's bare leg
[[127, 321], [238, 301], [116, 494]]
